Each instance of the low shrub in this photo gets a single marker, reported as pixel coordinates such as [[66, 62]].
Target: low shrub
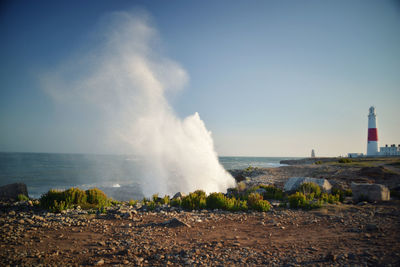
[[299, 200], [345, 160], [238, 205], [271, 192], [96, 197], [132, 202], [22, 197], [256, 202], [330, 198], [249, 169], [261, 205], [176, 202], [220, 201], [342, 193], [56, 200], [57, 207], [310, 190], [51, 199], [318, 162], [165, 200], [216, 201], [348, 193], [75, 196], [195, 200], [151, 205]]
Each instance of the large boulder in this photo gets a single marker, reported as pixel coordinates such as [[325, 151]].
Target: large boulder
[[11, 191], [370, 192], [294, 182]]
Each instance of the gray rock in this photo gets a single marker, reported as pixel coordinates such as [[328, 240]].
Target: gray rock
[[179, 195], [174, 222], [371, 192], [294, 182], [11, 191]]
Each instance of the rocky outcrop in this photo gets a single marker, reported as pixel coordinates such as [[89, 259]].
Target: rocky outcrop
[[305, 161], [370, 192], [293, 183], [11, 191]]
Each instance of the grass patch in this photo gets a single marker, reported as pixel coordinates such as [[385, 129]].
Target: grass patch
[[345, 160]]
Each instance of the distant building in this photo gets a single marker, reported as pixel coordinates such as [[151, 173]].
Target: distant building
[[392, 150], [312, 153], [372, 144]]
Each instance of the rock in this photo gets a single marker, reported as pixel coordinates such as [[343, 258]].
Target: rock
[[174, 222], [370, 192], [371, 227], [11, 191], [331, 256], [294, 182], [179, 195], [100, 262], [260, 191]]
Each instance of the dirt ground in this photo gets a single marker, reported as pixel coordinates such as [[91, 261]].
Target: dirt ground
[[364, 235]]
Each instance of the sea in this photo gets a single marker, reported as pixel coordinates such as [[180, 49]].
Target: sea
[[116, 175]]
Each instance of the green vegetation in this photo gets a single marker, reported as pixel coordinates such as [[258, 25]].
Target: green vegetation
[[318, 162], [176, 202], [22, 197], [342, 193], [308, 196], [220, 201], [195, 200], [345, 160], [133, 202], [250, 169], [271, 192], [300, 200], [56, 200], [256, 202], [97, 198], [310, 190]]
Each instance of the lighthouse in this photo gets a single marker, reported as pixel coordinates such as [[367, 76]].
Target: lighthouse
[[372, 146]]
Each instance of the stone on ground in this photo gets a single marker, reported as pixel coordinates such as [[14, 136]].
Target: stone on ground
[[370, 192], [11, 191], [294, 182]]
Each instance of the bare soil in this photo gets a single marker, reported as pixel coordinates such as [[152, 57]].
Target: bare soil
[[335, 235]]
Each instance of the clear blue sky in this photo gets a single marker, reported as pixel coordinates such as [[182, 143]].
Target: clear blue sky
[[269, 78]]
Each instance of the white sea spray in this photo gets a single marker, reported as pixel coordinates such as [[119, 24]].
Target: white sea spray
[[124, 79]]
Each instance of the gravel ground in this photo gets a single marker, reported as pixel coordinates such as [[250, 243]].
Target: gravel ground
[[336, 235]]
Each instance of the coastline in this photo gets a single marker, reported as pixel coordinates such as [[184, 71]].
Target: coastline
[[336, 234]]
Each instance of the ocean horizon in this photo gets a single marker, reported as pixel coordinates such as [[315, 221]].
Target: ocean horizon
[[117, 175]]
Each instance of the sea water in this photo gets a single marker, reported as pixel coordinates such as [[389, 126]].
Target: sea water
[[116, 175]]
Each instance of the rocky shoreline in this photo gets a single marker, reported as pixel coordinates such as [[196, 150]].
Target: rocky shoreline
[[356, 234]]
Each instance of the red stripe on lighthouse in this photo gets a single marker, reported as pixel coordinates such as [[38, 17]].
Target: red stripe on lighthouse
[[372, 134]]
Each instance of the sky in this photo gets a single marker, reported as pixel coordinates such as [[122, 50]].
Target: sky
[[268, 78]]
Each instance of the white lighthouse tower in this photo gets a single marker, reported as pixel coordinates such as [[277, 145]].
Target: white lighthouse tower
[[372, 146]]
